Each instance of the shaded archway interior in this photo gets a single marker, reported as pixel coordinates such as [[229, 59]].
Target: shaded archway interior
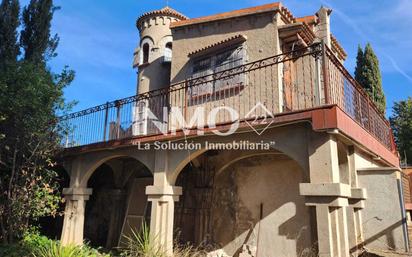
[[51, 226], [118, 202], [252, 205]]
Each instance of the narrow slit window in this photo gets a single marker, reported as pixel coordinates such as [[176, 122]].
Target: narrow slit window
[[146, 49]]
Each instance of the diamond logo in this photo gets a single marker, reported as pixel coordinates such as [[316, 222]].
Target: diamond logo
[[259, 116]]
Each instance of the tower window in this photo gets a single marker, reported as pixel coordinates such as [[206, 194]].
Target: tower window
[[168, 52], [146, 53]]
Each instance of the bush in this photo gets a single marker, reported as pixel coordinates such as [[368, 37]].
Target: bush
[[55, 249], [15, 250], [35, 245], [141, 244]]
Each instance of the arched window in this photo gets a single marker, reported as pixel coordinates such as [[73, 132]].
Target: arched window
[[168, 52], [146, 49]]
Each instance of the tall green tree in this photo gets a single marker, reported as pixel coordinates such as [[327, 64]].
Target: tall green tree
[[36, 40], [401, 123], [31, 97], [9, 22], [359, 66], [368, 74]]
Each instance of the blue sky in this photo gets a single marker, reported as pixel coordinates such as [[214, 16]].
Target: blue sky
[[98, 38]]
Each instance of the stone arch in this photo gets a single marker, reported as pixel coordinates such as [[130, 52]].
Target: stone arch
[[281, 208], [165, 44], [181, 162], [146, 44], [235, 157], [118, 181], [83, 167]]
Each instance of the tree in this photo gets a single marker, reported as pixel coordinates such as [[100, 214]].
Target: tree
[[31, 97], [359, 66], [36, 40], [368, 74], [9, 22], [401, 123]]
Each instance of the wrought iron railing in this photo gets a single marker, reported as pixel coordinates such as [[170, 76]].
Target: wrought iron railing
[[291, 81], [347, 93]]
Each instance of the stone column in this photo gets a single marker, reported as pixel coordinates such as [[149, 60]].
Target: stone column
[[356, 204], [162, 216], [330, 201], [73, 225], [328, 195]]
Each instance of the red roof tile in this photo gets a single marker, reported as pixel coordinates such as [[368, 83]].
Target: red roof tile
[[307, 19], [164, 11], [227, 15]]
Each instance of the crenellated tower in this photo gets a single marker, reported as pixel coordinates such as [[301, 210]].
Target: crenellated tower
[[153, 55]]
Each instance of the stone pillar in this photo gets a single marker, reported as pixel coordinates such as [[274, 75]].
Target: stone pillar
[[322, 30], [330, 201], [324, 229], [73, 225], [328, 195], [356, 204], [162, 216]]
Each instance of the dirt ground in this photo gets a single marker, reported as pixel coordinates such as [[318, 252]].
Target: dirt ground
[[380, 253]]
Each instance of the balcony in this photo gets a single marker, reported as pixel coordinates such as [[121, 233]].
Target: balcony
[[304, 79]]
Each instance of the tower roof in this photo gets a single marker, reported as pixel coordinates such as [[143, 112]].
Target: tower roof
[[164, 11]]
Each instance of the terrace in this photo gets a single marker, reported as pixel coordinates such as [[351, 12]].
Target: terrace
[[289, 86]]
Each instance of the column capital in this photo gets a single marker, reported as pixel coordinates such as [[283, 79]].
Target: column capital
[[325, 189], [163, 193], [76, 193], [358, 197], [358, 194]]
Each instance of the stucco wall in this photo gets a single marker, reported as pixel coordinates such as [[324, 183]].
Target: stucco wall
[[382, 219], [264, 186], [260, 30], [290, 85], [273, 183], [155, 74]]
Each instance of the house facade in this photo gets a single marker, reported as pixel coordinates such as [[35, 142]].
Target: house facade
[[247, 137]]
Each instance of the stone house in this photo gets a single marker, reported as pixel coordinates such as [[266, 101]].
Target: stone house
[[297, 158]]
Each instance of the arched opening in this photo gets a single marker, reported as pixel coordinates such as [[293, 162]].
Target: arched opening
[[51, 226], [168, 52], [252, 205], [118, 204], [146, 50]]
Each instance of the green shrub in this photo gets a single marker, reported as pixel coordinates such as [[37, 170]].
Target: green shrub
[[15, 250], [34, 240], [35, 245], [55, 249], [140, 244]]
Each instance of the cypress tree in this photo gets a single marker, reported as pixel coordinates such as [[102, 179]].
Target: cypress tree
[[36, 40], [368, 74], [359, 66], [9, 22], [401, 123]]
